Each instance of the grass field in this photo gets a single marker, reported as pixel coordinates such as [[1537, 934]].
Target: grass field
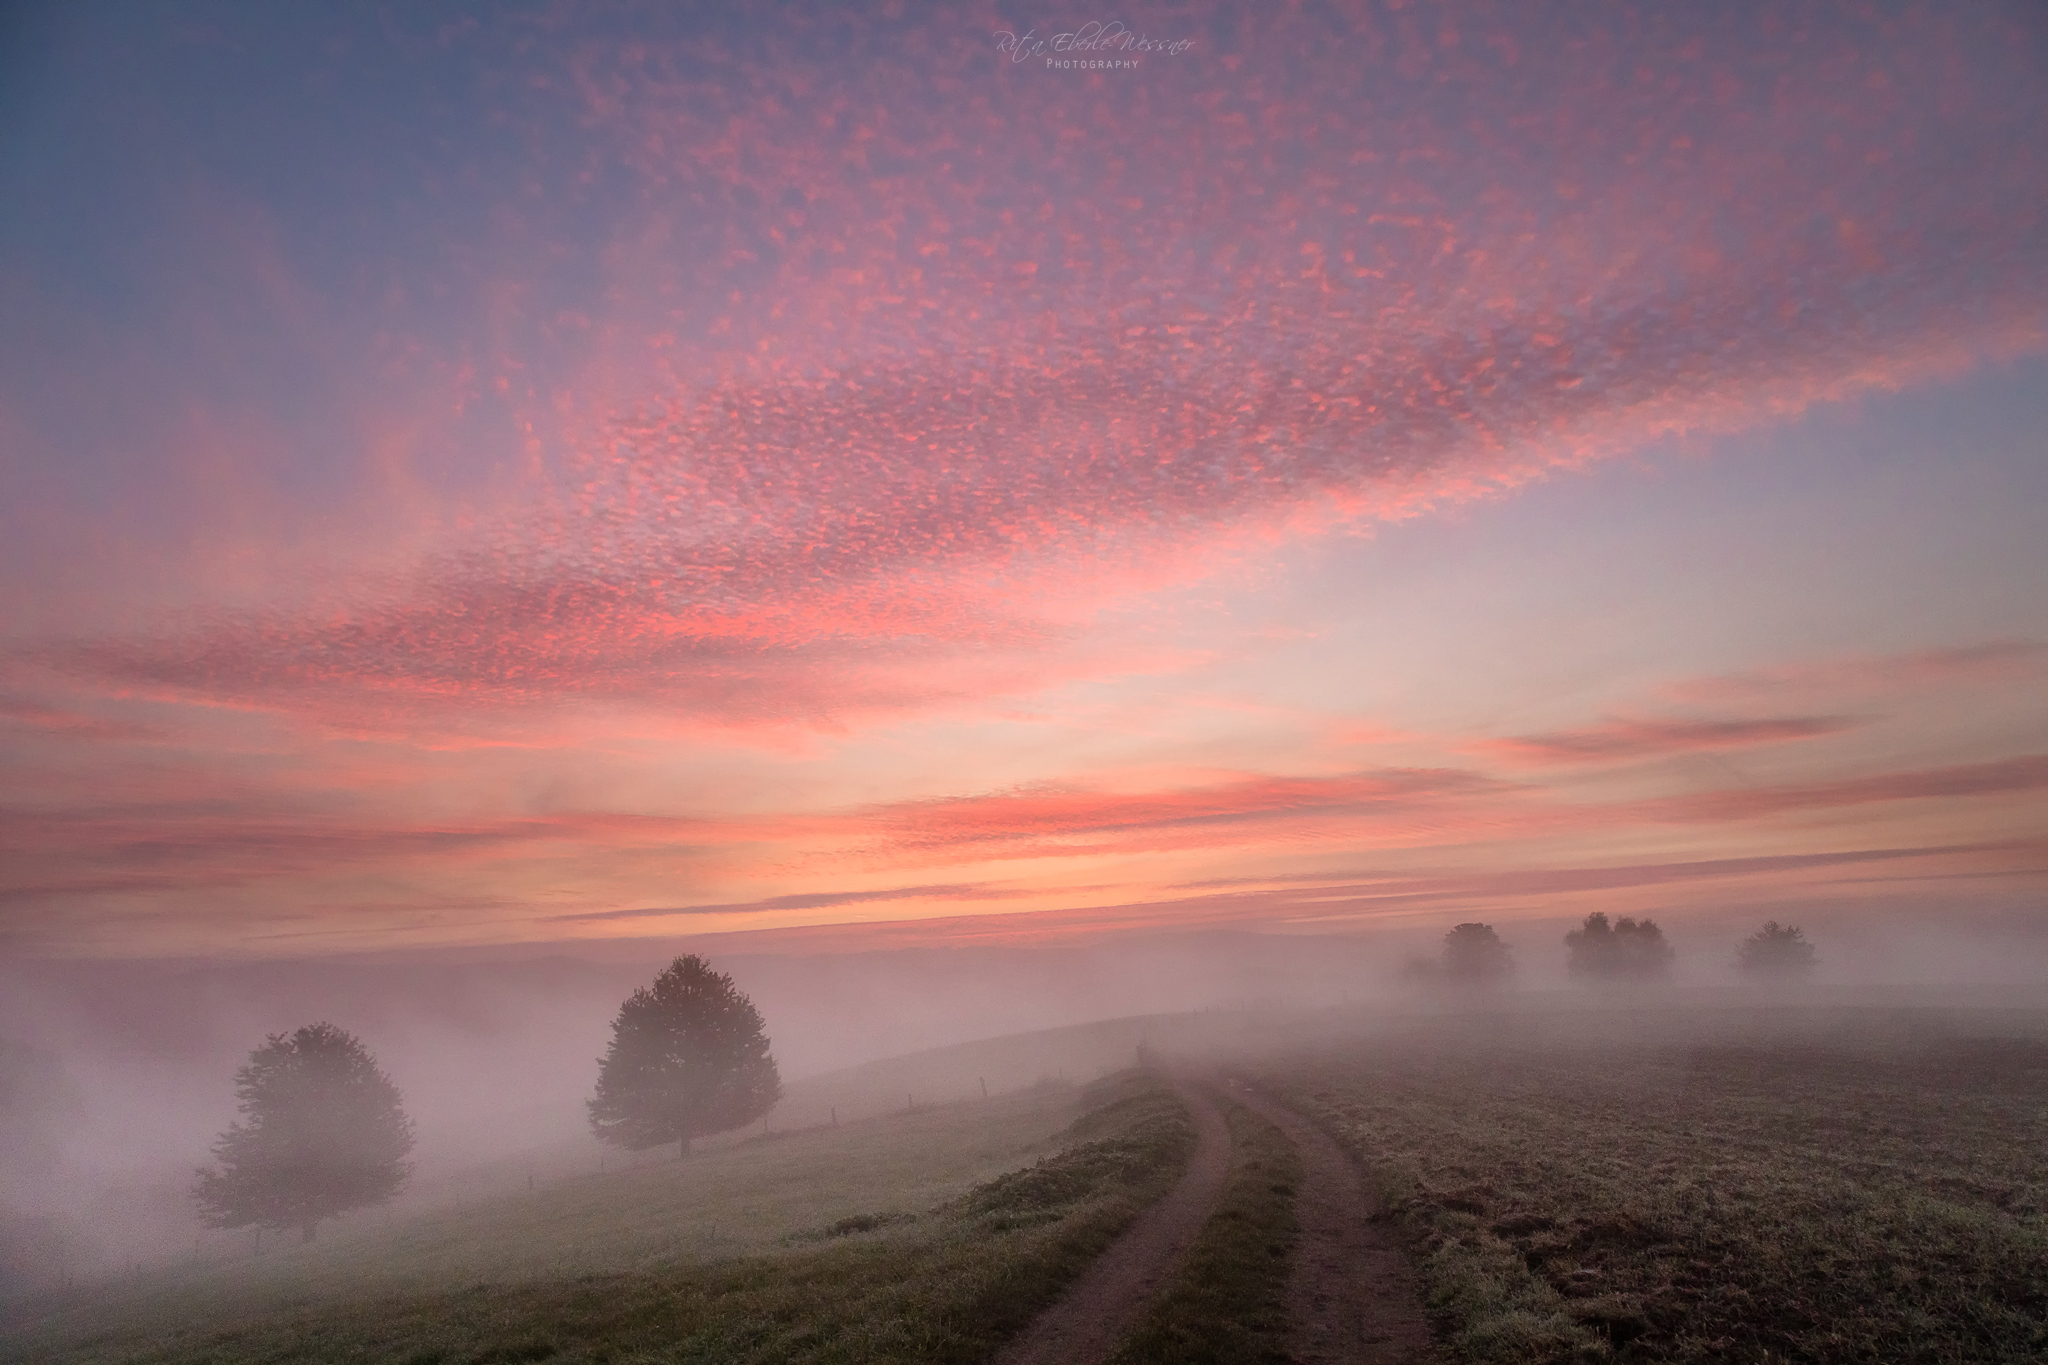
[[866, 1244], [1844, 1186], [1577, 1182]]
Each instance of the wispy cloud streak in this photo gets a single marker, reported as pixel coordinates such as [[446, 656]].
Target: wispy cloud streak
[[2001, 777], [818, 900], [1988, 662], [1624, 740]]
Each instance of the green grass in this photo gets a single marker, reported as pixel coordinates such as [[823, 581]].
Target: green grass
[[1805, 1199], [1226, 1304], [943, 1283]]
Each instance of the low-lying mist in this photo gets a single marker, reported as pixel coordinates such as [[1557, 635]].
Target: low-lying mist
[[115, 1077]]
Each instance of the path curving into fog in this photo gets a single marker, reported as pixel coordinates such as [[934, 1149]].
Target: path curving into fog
[[1351, 1292], [1099, 1308]]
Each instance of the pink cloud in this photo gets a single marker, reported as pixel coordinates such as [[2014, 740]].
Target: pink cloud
[[1997, 778], [926, 369], [1359, 899], [247, 838], [243, 838], [1366, 732], [1387, 804], [1990, 662], [60, 851], [168, 852], [63, 723], [1623, 740], [815, 900]]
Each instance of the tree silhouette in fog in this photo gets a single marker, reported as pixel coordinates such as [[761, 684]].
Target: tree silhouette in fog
[[688, 1058], [1626, 950], [322, 1131], [1474, 956], [1776, 952]]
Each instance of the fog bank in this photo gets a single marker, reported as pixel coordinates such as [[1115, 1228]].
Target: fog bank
[[115, 1077]]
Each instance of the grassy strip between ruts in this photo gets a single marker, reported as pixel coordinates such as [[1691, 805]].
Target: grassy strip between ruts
[[946, 1287], [1714, 1203], [1226, 1305]]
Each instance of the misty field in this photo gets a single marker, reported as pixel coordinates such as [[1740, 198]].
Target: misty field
[[1841, 1186], [1577, 1180], [861, 1243]]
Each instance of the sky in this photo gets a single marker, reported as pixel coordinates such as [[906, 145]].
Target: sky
[[535, 474]]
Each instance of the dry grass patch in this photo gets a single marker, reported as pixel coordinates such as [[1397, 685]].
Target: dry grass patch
[[1816, 1198]]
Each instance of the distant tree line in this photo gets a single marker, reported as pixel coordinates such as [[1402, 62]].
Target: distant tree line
[[1603, 951]]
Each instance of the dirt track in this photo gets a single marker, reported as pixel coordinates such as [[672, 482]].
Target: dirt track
[[1351, 1292], [1088, 1321]]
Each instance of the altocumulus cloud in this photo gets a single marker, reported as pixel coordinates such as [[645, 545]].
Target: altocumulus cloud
[[936, 360]]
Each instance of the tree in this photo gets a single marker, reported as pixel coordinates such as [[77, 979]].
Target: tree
[[1474, 956], [322, 1131], [1777, 952], [1626, 950], [687, 1059]]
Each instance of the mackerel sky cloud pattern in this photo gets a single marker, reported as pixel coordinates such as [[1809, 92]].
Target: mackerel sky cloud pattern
[[633, 386], [943, 352]]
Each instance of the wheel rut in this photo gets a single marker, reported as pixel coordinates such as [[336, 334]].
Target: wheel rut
[[1088, 1321], [1351, 1292]]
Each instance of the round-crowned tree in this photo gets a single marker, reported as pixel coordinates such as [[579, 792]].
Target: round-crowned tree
[[322, 1131], [688, 1058], [1474, 956], [1776, 952], [1625, 950]]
